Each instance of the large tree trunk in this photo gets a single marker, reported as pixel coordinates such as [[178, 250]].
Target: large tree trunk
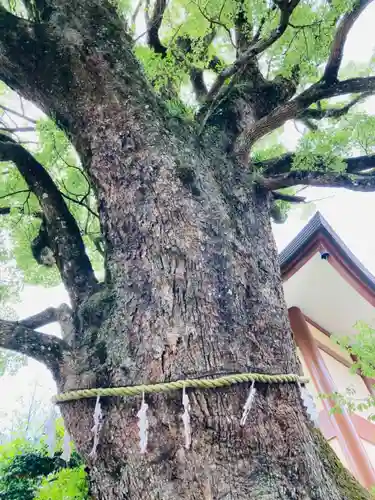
[[196, 290], [192, 288]]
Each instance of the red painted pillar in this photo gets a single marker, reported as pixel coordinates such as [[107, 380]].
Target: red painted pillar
[[346, 433]]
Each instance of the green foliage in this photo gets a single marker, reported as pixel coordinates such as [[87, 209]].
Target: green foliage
[[27, 473], [269, 147], [307, 43], [350, 135], [10, 277], [59, 158], [64, 484], [15, 6], [14, 487], [362, 347], [23, 229], [21, 226], [123, 6], [320, 147], [10, 286], [363, 129], [177, 109], [281, 208], [162, 72]]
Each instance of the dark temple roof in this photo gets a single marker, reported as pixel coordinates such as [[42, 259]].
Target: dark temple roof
[[318, 230]]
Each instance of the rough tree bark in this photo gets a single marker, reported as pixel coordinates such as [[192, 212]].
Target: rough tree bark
[[192, 284]]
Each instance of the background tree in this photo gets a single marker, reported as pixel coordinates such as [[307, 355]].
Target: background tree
[[27, 472], [177, 200]]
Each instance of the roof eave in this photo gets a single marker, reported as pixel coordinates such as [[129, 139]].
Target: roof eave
[[315, 236]]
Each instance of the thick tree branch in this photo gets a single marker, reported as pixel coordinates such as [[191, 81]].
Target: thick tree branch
[[185, 45], [284, 164], [8, 211], [10, 28], [319, 114], [199, 87], [47, 349], [49, 315], [291, 109], [41, 63], [243, 29], [337, 50], [37, 9], [322, 91], [353, 182], [63, 232], [290, 198], [256, 47], [326, 88], [25, 57], [153, 26]]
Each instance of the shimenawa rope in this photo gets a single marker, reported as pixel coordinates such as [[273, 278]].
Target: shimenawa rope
[[211, 383]]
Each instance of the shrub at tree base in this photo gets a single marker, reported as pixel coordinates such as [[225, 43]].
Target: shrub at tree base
[[28, 473]]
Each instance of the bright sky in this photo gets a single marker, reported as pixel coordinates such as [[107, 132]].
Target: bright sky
[[349, 214]]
